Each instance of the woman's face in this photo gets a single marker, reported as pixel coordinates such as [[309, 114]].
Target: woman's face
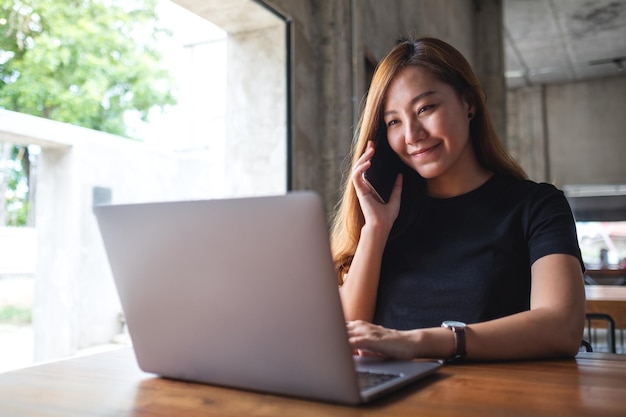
[[428, 125]]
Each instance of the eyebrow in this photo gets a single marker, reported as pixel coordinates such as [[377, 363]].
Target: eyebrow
[[414, 100]]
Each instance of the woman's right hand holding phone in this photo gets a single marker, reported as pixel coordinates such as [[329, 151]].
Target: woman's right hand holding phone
[[376, 214]]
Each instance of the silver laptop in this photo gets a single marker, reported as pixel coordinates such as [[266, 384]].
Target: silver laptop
[[240, 293]]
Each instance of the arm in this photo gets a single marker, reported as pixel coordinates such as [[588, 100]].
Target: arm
[[358, 292], [552, 327], [554, 324]]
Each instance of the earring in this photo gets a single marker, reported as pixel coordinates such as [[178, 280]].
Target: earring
[[470, 115]]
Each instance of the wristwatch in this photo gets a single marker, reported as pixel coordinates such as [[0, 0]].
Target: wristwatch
[[458, 328]]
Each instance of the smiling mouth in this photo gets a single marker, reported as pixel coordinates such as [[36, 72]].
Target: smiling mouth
[[422, 152]]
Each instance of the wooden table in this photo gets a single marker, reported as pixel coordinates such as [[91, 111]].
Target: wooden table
[[608, 299], [110, 384]]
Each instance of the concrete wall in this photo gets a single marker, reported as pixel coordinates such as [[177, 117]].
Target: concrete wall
[[322, 99], [587, 132], [573, 133], [526, 131], [253, 156], [255, 153]]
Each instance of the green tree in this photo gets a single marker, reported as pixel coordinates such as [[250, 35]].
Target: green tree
[[85, 62]]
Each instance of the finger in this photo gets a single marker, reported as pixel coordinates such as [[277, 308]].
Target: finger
[[363, 343], [363, 162], [368, 152], [370, 354], [359, 182], [359, 171]]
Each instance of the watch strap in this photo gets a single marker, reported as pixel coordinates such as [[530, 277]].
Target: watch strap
[[459, 343], [458, 329]]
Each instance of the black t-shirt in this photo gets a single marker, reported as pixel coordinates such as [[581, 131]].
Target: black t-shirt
[[468, 258]]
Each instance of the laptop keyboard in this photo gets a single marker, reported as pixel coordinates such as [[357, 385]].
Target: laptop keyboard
[[371, 379]]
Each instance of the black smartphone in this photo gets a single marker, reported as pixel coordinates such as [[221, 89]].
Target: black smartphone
[[382, 174]]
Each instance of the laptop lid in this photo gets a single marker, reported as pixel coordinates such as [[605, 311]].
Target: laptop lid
[[238, 292]]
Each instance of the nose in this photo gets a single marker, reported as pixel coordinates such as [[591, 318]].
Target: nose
[[414, 132]]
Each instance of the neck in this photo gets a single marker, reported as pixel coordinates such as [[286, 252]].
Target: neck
[[467, 176]]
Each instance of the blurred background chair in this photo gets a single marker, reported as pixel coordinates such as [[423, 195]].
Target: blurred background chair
[[594, 338]]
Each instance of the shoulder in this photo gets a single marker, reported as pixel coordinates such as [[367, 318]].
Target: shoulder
[[533, 201], [528, 186], [528, 191]]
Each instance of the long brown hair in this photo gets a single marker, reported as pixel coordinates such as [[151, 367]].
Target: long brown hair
[[449, 66]]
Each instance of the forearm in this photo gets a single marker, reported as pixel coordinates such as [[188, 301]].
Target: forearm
[[542, 332], [532, 334], [358, 292]]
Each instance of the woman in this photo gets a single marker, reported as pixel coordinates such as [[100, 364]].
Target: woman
[[465, 235]]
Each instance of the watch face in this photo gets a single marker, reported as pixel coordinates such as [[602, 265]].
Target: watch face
[[450, 323]]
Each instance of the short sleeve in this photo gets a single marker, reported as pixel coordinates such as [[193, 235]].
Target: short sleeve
[[551, 228]]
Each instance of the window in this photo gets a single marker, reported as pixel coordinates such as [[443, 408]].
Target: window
[[228, 137]]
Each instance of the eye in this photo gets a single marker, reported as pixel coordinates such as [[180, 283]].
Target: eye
[[392, 123], [424, 108]]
